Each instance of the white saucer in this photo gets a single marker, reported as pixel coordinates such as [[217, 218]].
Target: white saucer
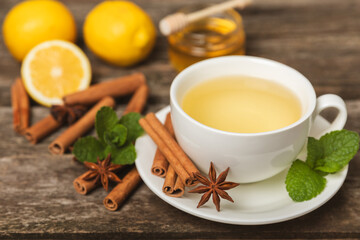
[[256, 203]]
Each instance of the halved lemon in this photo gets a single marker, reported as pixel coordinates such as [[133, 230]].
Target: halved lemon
[[54, 69]]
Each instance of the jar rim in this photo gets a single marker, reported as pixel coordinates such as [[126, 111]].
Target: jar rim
[[235, 17]]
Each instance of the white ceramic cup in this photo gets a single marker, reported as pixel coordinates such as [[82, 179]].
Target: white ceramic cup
[[251, 156]]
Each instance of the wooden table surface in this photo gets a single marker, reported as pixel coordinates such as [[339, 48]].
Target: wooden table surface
[[321, 39]]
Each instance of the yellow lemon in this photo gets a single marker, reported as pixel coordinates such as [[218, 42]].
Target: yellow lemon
[[119, 32], [32, 22], [54, 69]]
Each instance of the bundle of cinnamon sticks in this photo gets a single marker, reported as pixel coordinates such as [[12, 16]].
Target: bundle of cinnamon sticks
[[98, 95], [170, 161], [119, 193]]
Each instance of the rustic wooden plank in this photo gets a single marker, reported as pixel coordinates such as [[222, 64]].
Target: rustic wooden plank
[[318, 39]]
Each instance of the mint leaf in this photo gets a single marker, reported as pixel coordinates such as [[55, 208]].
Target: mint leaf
[[105, 120], [303, 183], [124, 155], [339, 147], [117, 136], [88, 149], [131, 122], [314, 151], [328, 155]]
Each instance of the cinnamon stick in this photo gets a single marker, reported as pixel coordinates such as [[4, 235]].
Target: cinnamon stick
[[113, 88], [82, 186], [21, 106], [117, 196], [160, 164], [138, 100], [179, 188], [24, 107], [42, 129], [79, 128], [15, 103], [172, 144], [173, 186], [170, 156]]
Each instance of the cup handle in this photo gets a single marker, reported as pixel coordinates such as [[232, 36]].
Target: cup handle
[[327, 101]]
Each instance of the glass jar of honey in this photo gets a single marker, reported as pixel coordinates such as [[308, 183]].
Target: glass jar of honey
[[217, 35]]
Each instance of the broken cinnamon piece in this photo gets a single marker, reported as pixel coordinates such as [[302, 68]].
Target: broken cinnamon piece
[[21, 106], [113, 88], [170, 156], [78, 129], [172, 144], [138, 100], [173, 186], [102, 172], [42, 129], [118, 195], [160, 164], [83, 186]]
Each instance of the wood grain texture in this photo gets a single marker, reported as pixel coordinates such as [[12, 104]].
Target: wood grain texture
[[319, 38]]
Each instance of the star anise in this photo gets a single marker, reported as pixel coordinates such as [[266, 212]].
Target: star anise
[[103, 170], [214, 186], [69, 114]]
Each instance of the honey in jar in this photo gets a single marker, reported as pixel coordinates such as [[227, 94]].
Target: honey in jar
[[217, 35]]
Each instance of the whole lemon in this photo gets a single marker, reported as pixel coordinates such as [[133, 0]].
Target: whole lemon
[[119, 32], [32, 22]]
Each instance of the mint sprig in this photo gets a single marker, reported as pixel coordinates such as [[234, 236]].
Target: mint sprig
[[115, 136], [331, 153]]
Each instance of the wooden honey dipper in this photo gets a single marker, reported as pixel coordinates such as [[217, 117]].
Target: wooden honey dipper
[[178, 21]]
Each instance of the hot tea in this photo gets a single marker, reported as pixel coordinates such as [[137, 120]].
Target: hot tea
[[242, 104]]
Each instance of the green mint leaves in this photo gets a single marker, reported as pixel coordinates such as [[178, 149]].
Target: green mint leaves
[[303, 183], [338, 148], [329, 154], [114, 136]]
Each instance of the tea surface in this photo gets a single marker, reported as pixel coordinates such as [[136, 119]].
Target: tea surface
[[242, 104]]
